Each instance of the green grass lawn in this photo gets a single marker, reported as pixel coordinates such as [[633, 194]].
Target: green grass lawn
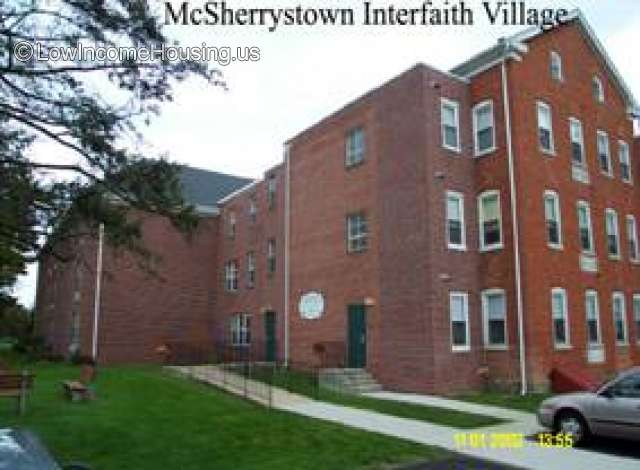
[[528, 403], [144, 418], [304, 384]]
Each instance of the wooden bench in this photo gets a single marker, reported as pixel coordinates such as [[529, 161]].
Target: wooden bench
[[16, 385]]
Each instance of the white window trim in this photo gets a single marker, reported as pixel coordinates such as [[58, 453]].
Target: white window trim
[[556, 201], [494, 147], [485, 320], [567, 329], [593, 293], [601, 97], [496, 246], [635, 320], [231, 273], [601, 133], [460, 197], [349, 158], [623, 144], [592, 251], [352, 239], [572, 121], [556, 56], [465, 296], [444, 102], [620, 295], [241, 325], [607, 213], [547, 107], [633, 257]]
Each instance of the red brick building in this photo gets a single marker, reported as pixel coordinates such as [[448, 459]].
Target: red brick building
[[444, 230]]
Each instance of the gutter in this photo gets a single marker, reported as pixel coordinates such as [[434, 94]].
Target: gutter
[[97, 296], [287, 224], [515, 229]]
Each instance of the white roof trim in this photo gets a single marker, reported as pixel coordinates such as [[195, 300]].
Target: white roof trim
[[237, 192]]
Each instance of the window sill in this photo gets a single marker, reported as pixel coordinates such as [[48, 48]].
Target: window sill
[[548, 153], [635, 262], [461, 349], [555, 247], [490, 248], [496, 347], [614, 257], [622, 345], [608, 175], [630, 183], [485, 153], [457, 150], [354, 165], [457, 247], [563, 347]]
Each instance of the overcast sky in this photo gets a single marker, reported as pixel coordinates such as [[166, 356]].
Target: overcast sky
[[306, 73]]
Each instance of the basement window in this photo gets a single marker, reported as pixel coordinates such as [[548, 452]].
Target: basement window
[[560, 316], [494, 313], [490, 221], [450, 117], [619, 321], [459, 313], [484, 128]]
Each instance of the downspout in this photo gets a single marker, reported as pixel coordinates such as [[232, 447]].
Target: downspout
[[287, 208], [516, 234], [96, 297]]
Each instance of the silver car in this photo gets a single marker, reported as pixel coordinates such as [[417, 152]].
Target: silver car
[[612, 410]]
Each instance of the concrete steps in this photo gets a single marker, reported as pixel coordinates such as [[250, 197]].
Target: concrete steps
[[349, 380]]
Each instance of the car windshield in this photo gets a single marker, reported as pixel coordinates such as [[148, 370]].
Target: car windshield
[[609, 379]]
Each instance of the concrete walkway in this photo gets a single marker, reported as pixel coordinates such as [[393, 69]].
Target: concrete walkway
[[530, 456]]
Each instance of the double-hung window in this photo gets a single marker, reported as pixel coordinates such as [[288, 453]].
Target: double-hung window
[[271, 191], [619, 319], [632, 238], [459, 313], [455, 221], [231, 276], [585, 228], [560, 316], [556, 66], [494, 313], [271, 256], [636, 316], [592, 308], [604, 153], [545, 128], [625, 161], [450, 118], [577, 142], [484, 131], [241, 329], [354, 147], [598, 89], [553, 219], [357, 232], [490, 220], [231, 225], [251, 269], [613, 236]]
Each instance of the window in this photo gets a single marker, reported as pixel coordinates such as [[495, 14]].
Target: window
[[450, 117], [625, 161], [619, 320], [594, 333], [355, 147], [241, 329], [556, 66], [545, 128], [251, 269], [231, 276], [604, 154], [484, 128], [494, 312], [560, 315], [613, 238], [490, 221], [231, 225], [271, 191], [636, 315], [459, 311], [577, 142], [628, 387], [456, 239], [632, 237], [598, 90], [585, 228], [253, 210], [553, 219], [271, 256], [357, 232]]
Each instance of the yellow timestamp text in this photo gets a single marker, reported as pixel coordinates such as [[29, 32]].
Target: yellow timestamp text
[[477, 440]]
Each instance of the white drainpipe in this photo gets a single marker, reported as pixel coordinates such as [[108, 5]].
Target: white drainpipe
[[96, 297], [516, 235], [287, 208]]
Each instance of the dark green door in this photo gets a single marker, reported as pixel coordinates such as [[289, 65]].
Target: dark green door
[[270, 336], [357, 348]]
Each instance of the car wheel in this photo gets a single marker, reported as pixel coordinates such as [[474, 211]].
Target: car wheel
[[572, 424]]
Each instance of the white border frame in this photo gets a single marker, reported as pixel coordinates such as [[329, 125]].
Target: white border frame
[[593, 293], [614, 296], [607, 212], [485, 320], [605, 134], [474, 112], [496, 246], [550, 193], [585, 204], [543, 105], [456, 107], [567, 326], [466, 347], [460, 197]]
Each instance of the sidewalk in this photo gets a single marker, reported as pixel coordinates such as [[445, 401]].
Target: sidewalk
[[530, 456]]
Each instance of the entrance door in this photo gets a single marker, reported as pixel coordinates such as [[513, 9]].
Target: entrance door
[[357, 337], [270, 336]]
